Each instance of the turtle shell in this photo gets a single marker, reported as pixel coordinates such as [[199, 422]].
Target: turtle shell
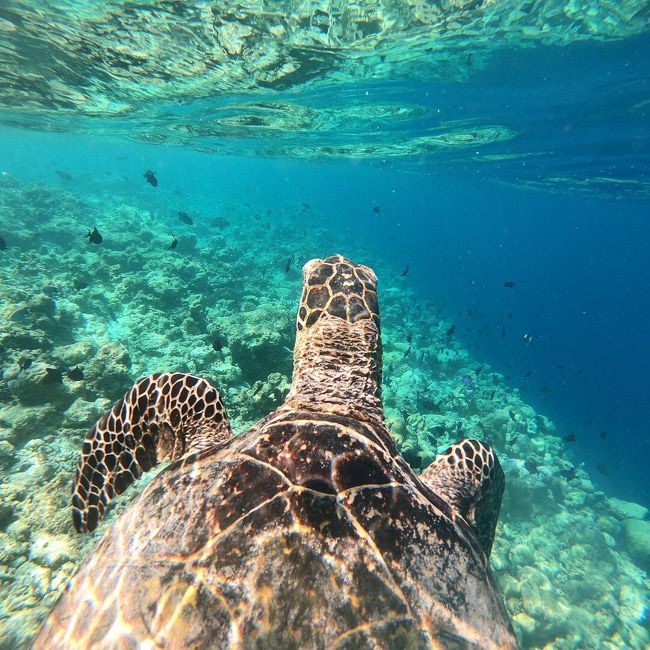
[[307, 531]]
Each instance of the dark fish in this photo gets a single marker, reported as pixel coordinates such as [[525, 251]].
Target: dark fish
[[80, 283], [76, 374], [409, 338], [467, 381], [512, 414], [478, 370], [151, 178], [406, 270], [571, 437], [451, 330], [376, 209], [408, 352], [219, 222], [503, 332], [50, 290], [287, 268], [53, 376], [568, 474], [94, 237], [531, 466], [3, 244], [257, 217], [24, 364], [509, 284], [493, 393], [217, 346], [19, 315], [185, 218], [529, 373], [65, 176], [603, 435], [559, 366], [603, 469], [174, 243]]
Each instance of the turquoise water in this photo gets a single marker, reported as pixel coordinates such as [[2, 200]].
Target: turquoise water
[[455, 148]]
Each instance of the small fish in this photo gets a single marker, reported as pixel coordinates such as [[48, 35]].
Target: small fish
[[174, 243], [376, 209], [509, 284], [94, 237], [3, 244], [603, 435], [603, 469], [529, 373], [568, 474], [185, 218], [219, 222], [570, 437], [512, 414], [528, 339], [20, 314], [287, 267], [493, 393], [24, 364], [65, 176], [405, 271], [451, 331], [407, 352], [503, 332], [50, 290], [409, 338], [76, 374], [217, 346], [151, 178], [80, 283], [478, 371], [53, 376], [467, 381], [531, 466]]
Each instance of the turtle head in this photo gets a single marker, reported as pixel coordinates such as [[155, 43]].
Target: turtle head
[[337, 357]]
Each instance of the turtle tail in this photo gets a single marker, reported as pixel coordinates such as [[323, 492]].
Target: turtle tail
[[163, 417]]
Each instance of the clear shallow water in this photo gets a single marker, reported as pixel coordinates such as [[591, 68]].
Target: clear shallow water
[[499, 156]]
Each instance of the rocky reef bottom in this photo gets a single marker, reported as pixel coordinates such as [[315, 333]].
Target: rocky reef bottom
[[80, 322]]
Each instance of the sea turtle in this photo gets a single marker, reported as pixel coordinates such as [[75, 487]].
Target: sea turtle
[[306, 531]]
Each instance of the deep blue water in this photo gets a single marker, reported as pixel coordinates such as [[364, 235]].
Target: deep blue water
[[576, 249]]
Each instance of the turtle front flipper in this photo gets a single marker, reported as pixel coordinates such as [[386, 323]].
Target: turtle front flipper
[[469, 477], [163, 417]]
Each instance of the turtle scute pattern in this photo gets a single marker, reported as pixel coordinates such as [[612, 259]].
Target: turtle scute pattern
[[307, 531], [163, 417]]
